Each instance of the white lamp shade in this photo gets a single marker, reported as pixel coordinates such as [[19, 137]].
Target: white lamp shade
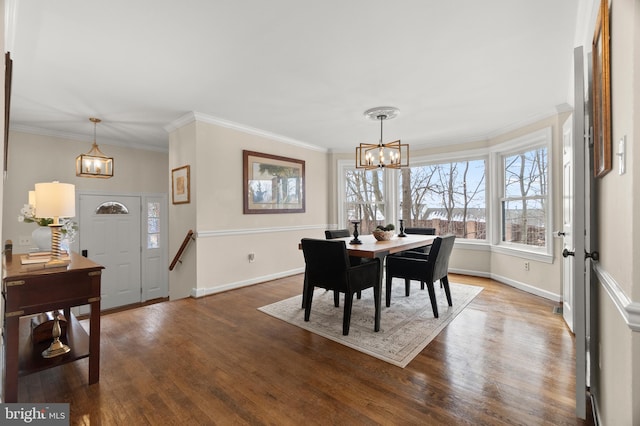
[[32, 199], [55, 199]]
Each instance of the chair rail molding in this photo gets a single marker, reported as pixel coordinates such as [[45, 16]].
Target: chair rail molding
[[629, 309], [251, 231]]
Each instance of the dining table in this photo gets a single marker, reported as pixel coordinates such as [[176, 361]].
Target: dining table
[[370, 248]]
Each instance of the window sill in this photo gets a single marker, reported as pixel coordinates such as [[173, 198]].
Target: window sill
[[524, 253]]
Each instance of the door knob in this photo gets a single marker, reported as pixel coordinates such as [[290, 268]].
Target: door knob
[[560, 234], [567, 253], [594, 255]]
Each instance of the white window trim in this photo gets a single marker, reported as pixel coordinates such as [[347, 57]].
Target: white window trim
[[391, 198], [494, 177], [467, 155], [537, 139]]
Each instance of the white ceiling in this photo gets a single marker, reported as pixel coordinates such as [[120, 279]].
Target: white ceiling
[[458, 70]]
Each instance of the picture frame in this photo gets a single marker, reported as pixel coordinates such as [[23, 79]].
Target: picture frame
[[272, 184], [601, 104], [8, 77], [181, 185]]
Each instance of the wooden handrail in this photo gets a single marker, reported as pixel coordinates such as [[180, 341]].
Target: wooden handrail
[[182, 247]]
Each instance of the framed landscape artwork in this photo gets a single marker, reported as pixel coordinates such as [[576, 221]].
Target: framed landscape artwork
[[272, 184], [180, 185], [601, 94]]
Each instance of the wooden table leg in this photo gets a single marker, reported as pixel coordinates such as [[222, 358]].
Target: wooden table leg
[[94, 342], [377, 293], [11, 347]]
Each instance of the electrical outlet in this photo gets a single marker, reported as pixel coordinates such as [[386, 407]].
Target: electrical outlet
[[251, 257], [24, 240], [526, 266]]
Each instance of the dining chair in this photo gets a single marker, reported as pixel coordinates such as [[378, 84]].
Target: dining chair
[[421, 231], [330, 234], [426, 268], [354, 260], [327, 266]]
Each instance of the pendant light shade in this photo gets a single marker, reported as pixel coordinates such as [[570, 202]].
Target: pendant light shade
[[394, 155], [94, 163]]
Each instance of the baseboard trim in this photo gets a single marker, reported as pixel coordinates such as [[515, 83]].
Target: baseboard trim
[[510, 282], [201, 292]]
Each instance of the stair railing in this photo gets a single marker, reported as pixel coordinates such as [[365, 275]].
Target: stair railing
[[178, 256]]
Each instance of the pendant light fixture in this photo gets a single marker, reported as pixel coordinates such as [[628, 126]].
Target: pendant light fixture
[[394, 155], [94, 163]]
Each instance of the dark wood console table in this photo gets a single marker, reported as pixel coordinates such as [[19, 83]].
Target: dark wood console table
[[33, 289]]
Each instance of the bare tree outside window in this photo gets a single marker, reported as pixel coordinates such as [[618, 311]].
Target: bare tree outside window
[[450, 197], [524, 204], [365, 199]]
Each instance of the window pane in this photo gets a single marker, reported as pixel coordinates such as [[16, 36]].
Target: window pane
[[153, 225], [153, 209], [153, 241], [450, 197], [364, 194], [524, 221], [524, 207], [112, 207], [525, 174]]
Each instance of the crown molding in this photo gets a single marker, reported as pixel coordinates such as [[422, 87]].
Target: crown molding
[[204, 118], [83, 138]]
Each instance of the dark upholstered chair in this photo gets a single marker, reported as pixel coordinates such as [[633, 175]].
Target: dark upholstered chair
[[330, 234], [425, 268], [421, 231], [327, 266]]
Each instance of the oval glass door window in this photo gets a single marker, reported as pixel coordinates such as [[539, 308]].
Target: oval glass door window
[[112, 207]]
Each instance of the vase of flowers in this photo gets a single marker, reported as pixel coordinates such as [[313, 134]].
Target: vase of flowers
[[41, 236]]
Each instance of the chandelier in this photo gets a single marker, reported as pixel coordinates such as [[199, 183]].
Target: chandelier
[[392, 155], [94, 163]]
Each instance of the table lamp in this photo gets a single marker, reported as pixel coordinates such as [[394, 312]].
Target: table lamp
[[55, 200]]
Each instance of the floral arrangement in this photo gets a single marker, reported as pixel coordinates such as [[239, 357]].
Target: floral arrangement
[[69, 228]]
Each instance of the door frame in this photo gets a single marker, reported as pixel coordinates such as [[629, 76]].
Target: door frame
[[164, 234]]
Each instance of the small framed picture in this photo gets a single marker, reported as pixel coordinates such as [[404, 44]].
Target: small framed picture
[[180, 185], [272, 184]]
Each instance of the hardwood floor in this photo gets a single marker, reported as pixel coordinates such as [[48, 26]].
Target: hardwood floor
[[506, 359]]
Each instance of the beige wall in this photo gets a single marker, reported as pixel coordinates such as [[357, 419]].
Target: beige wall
[[226, 236], [36, 158], [618, 368], [182, 217]]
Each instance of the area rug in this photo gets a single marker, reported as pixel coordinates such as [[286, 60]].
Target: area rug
[[406, 327]]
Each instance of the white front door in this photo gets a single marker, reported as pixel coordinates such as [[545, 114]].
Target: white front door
[[110, 235]]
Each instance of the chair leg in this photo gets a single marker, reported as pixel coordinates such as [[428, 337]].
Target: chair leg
[[336, 298], [376, 298], [304, 291], [387, 295], [359, 295], [432, 296], [308, 297], [407, 286], [444, 282], [346, 321]]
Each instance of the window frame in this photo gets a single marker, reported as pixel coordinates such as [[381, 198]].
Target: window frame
[[538, 139], [494, 176], [390, 197], [466, 155]]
